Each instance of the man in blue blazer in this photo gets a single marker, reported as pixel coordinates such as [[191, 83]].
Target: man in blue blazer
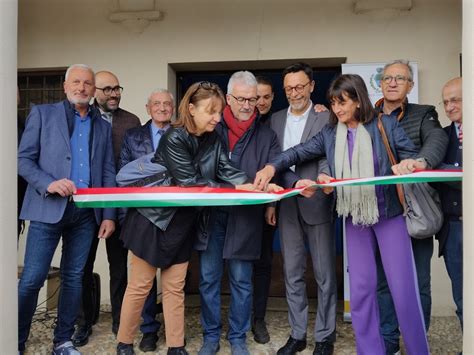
[[65, 146]]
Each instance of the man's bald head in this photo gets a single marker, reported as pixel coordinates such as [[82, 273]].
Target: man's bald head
[[108, 93], [452, 99]]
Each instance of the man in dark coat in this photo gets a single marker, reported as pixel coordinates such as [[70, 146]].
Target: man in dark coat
[[140, 141], [235, 233], [262, 268], [450, 236]]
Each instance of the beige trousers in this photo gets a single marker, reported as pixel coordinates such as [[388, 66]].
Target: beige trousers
[[139, 285]]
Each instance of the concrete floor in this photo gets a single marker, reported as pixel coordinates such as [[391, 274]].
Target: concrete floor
[[445, 333]]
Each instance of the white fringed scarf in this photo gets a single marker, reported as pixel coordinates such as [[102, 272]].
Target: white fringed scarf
[[358, 201]]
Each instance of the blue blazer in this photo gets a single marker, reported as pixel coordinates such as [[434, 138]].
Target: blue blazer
[[137, 142], [44, 155]]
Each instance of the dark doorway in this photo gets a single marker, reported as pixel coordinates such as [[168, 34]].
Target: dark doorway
[[322, 77]]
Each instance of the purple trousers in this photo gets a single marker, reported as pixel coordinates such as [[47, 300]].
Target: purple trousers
[[393, 241]]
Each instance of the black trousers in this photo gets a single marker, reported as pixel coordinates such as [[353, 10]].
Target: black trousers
[[117, 258], [262, 272]]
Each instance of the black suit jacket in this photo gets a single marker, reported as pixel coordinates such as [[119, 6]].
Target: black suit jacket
[[450, 192]]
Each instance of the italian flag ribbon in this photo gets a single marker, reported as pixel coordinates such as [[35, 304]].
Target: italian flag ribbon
[[171, 196]]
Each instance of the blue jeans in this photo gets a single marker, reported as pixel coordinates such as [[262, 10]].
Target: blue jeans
[[453, 260], [240, 278], [77, 228], [422, 252]]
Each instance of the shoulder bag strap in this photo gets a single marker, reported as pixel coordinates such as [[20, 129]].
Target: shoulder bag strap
[[393, 161]]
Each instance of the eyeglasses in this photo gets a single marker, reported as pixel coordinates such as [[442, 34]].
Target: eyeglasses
[[454, 101], [165, 104], [298, 88], [399, 79], [241, 100], [108, 90]]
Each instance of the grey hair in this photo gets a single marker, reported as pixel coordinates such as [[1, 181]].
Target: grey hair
[[404, 62], [76, 66], [160, 91], [243, 77]]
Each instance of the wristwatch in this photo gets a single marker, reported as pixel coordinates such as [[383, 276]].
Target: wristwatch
[[422, 160]]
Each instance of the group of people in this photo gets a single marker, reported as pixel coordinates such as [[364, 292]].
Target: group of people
[[234, 140]]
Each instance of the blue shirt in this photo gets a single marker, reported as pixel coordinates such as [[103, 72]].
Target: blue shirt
[[157, 133], [81, 171]]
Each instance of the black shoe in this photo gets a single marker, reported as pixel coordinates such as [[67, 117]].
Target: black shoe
[[177, 351], [392, 348], [125, 349], [81, 335], [324, 348], [292, 346], [115, 328], [260, 332], [148, 342]]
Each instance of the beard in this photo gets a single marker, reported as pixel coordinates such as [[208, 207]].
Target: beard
[[111, 107], [79, 100], [298, 106]]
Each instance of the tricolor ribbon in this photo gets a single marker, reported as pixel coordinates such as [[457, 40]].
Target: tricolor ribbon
[[206, 196]]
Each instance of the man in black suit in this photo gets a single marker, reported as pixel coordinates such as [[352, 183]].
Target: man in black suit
[[450, 236]]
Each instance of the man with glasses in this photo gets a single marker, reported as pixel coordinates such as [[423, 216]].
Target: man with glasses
[[421, 124], [235, 232], [450, 236], [306, 221], [107, 100]]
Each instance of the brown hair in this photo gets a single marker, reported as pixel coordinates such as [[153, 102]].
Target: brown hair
[[197, 92], [353, 86]]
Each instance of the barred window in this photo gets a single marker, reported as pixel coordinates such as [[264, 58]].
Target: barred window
[[39, 87]]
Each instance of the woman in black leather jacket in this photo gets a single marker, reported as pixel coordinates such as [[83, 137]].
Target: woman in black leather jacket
[[163, 237]]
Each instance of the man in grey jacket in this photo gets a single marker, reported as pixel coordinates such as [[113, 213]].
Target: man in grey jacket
[[306, 220], [421, 124]]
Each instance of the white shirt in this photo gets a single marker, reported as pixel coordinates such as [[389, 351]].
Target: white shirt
[[294, 127], [106, 116]]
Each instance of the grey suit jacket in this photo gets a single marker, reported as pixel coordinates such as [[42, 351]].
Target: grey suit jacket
[[319, 208]]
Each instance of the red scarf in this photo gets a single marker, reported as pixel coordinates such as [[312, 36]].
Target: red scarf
[[236, 128]]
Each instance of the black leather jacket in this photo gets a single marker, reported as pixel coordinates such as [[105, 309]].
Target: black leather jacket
[[192, 161]]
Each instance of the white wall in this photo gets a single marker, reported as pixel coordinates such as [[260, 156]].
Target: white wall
[[8, 269], [56, 33]]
